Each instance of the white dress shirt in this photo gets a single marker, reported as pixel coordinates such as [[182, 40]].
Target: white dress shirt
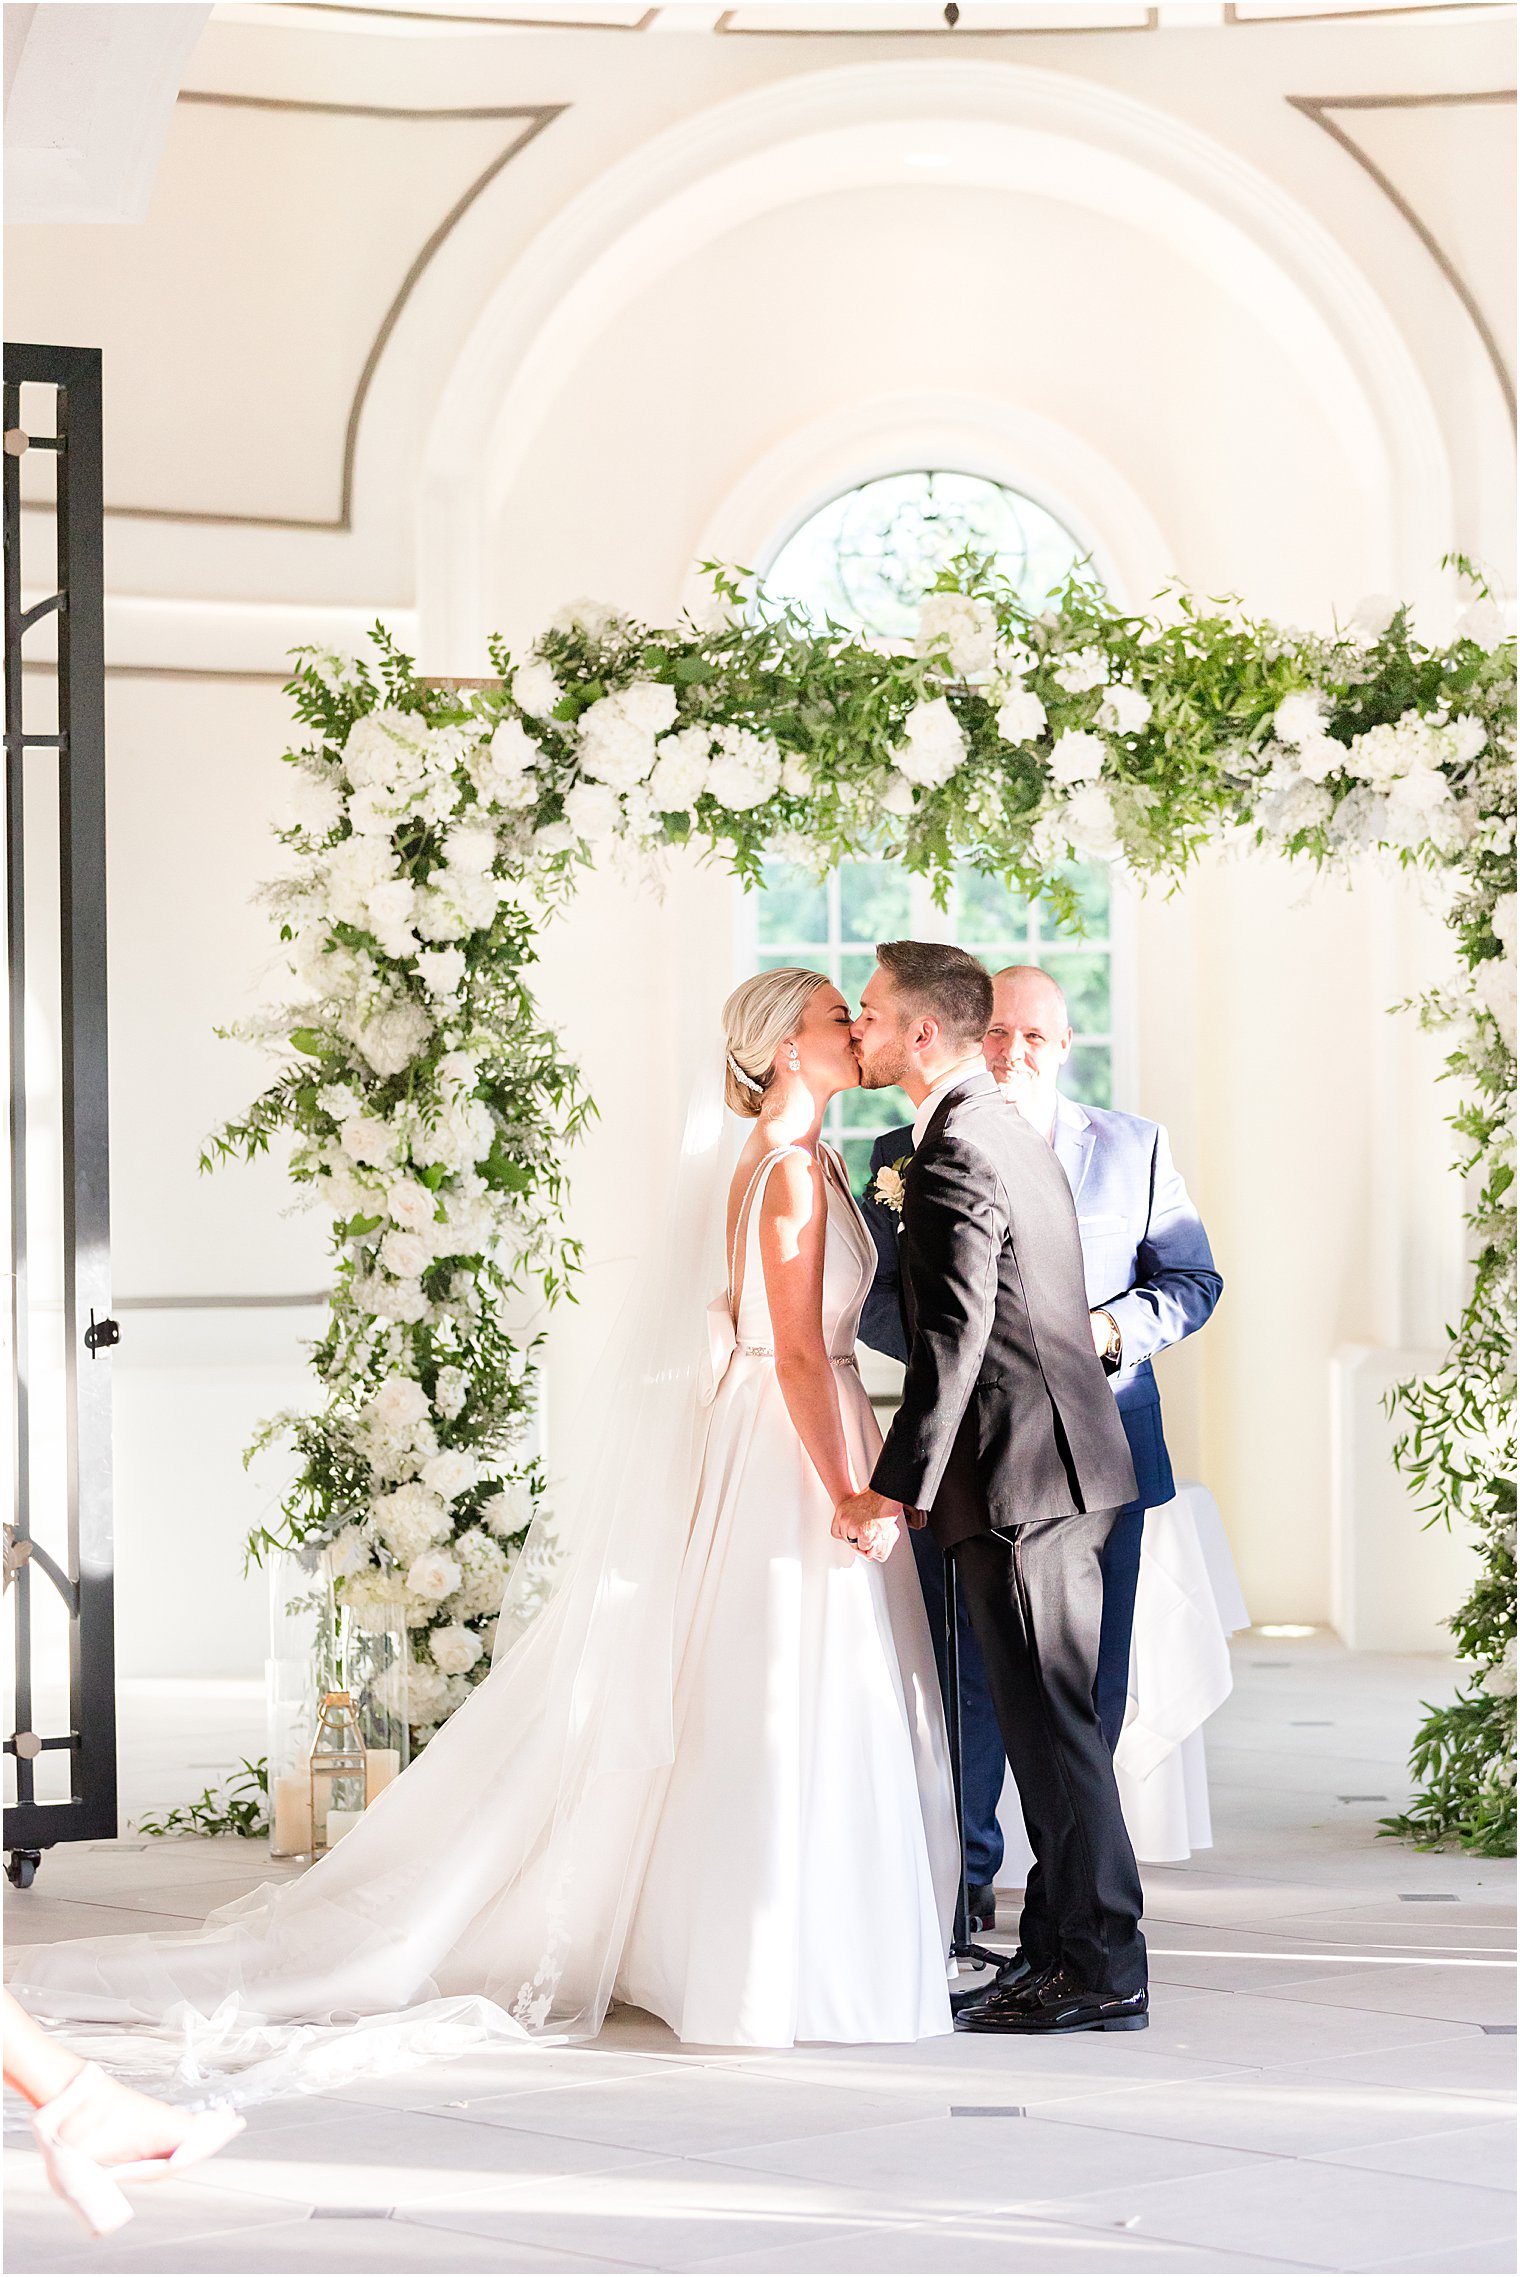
[[951, 1082]]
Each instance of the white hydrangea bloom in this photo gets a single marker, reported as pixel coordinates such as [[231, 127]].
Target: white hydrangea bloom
[[351, 873], [389, 1300], [681, 768], [510, 1509], [593, 811], [1290, 802], [455, 1650], [433, 1576], [455, 902], [535, 689], [1300, 718], [1482, 621], [349, 1552], [1089, 822], [1077, 756], [554, 838], [596, 620], [409, 1520], [1320, 755], [441, 971], [449, 1392], [313, 803], [483, 1574], [384, 747], [899, 797], [470, 847], [391, 1039], [504, 771], [933, 744], [1081, 670], [745, 771], [796, 777], [1466, 737], [1502, 922], [1494, 983], [1373, 614], [389, 910], [1125, 710], [427, 1695], [960, 627], [374, 1601], [1021, 716]]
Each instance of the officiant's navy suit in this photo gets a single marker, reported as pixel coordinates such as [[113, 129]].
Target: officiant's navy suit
[[1147, 1263]]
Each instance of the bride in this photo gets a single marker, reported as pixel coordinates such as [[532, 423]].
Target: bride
[[710, 1777]]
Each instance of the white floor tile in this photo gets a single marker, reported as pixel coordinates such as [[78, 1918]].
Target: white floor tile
[[1002, 2248], [1496, 2260], [1327, 2216], [1280, 2116], [1479, 1991], [1251, 2028], [686, 2115], [1483, 2158]]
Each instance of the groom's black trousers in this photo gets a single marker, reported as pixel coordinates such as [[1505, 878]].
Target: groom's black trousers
[[1035, 1597]]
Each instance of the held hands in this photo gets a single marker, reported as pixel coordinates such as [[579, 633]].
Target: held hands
[[868, 1522]]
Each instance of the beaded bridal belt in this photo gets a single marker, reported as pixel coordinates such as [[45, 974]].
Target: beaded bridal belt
[[768, 1352]]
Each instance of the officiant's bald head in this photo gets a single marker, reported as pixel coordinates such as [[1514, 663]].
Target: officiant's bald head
[[1028, 1040]]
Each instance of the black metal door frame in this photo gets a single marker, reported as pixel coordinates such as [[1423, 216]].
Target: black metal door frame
[[86, 1585]]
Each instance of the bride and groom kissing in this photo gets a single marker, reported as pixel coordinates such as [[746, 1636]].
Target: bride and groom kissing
[[727, 1711]]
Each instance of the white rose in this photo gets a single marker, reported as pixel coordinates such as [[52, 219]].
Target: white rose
[[933, 744], [1089, 819], [1021, 716], [1083, 669], [433, 1576], [1077, 756], [1502, 922], [535, 689], [1124, 710], [680, 770], [470, 847], [454, 1650], [1299, 718], [399, 1403], [650, 705], [593, 811], [412, 1205], [1373, 614], [406, 1255], [441, 971], [364, 1138], [1482, 621], [450, 1474], [899, 797], [1421, 791]]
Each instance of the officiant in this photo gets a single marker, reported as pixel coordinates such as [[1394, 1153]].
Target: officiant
[[1151, 1281]]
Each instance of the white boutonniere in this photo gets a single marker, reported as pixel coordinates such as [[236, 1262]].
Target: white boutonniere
[[889, 1184]]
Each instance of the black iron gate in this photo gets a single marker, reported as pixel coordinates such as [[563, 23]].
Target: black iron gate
[[58, 1538]]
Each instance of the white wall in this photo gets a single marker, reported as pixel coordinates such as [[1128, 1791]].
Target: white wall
[[1223, 415]]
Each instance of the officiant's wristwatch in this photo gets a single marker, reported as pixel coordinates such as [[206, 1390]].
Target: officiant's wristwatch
[[1113, 1351]]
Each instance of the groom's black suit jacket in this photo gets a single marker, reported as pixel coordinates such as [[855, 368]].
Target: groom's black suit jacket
[[1006, 1412]]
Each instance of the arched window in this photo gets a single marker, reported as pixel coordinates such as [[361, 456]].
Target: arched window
[[866, 559]]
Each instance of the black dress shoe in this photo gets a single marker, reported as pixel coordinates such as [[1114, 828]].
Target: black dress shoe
[[1051, 2001], [981, 1908]]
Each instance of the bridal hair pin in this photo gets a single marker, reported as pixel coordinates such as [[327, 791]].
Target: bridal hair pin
[[747, 1080]]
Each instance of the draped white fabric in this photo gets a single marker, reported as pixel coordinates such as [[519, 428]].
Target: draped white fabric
[[721, 1722]]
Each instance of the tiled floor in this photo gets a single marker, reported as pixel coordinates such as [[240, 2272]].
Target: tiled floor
[[1327, 2082]]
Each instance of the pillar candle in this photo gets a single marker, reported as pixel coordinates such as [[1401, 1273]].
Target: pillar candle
[[381, 1766], [338, 1824], [292, 1817]]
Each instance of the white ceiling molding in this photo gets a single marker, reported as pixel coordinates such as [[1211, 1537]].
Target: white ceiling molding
[[89, 93], [979, 125]]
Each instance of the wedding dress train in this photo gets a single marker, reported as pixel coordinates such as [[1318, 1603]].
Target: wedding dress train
[[711, 1777]]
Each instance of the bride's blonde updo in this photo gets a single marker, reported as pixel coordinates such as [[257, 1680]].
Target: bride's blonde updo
[[757, 1018]]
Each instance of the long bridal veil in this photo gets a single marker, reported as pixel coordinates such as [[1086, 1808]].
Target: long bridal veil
[[488, 1892]]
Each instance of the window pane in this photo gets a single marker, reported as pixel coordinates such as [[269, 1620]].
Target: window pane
[[1091, 883], [1084, 981], [983, 909], [874, 901], [1088, 1075], [855, 969], [793, 906], [874, 1110], [774, 960], [857, 1161]]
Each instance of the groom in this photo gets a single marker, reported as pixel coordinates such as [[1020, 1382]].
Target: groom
[[1009, 1440]]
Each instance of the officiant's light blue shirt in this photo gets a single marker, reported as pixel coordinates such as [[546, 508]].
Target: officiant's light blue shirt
[[1145, 1256]]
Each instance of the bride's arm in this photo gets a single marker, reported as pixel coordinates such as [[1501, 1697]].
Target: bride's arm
[[793, 1221]]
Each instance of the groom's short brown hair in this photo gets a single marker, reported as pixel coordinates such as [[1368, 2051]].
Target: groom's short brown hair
[[943, 982]]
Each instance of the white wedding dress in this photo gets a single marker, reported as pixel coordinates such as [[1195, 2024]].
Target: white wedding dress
[[710, 1779]]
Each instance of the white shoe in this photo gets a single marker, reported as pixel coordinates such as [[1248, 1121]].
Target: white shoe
[[94, 2191]]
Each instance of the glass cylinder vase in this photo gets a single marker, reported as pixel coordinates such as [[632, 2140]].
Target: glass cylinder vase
[[304, 1665]]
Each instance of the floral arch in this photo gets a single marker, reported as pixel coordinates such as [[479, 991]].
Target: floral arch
[[441, 823]]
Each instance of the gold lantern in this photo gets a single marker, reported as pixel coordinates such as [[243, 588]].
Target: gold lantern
[[337, 1771]]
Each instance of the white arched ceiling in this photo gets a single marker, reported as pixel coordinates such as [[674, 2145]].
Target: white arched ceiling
[[981, 126]]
